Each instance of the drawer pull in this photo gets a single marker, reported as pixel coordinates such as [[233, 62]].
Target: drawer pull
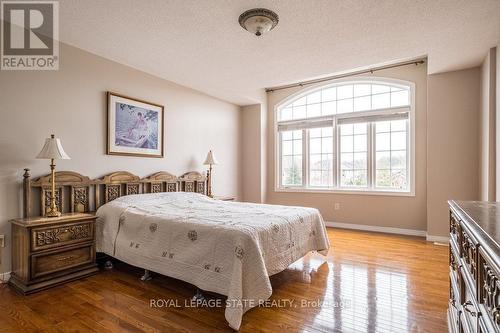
[[466, 308], [65, 258]]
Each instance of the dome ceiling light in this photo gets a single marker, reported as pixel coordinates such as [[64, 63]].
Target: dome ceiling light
[[258, 20]]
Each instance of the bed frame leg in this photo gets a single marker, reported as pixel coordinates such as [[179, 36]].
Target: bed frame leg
[[108, 264], [198, 296], [147, 275]]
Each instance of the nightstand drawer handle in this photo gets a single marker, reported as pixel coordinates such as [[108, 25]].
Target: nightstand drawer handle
[[65, 258]]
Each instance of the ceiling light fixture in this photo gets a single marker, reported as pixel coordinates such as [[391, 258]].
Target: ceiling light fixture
[[258, 20]]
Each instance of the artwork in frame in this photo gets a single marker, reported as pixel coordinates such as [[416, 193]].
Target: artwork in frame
[[135, 127]]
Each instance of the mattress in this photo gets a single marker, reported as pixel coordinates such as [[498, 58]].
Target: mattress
[[230, 248]]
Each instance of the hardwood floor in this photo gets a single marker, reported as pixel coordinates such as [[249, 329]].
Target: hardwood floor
[[368, 283]]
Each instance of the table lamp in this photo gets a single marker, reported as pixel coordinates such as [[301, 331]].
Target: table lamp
[[210, 160], [53, 150]]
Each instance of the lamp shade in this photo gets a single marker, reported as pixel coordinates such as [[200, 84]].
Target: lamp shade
[[52, 149], [210, 160]]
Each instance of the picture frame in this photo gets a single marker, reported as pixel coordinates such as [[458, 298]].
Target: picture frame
[[135, 127]]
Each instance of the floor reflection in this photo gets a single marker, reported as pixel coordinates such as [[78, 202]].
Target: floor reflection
[[369, 283]]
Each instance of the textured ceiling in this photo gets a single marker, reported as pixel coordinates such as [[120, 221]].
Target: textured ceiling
[[199, 43]]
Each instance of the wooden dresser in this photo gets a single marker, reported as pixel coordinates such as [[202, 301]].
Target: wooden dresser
[[474, 304], [51, 251]]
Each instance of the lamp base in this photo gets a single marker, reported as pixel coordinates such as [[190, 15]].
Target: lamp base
[[52, 213]]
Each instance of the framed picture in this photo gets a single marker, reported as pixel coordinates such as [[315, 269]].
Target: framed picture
[[135, 127]]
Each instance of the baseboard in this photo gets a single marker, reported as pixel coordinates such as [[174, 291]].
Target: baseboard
[[389, 230], [438, 239], [4, 277]]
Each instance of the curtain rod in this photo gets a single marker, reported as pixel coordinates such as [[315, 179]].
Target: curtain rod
[[365, 71]]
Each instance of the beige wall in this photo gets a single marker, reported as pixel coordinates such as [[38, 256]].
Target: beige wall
[[373, 210], [487, 128], [452, 143], [251, 143], [71, 103]]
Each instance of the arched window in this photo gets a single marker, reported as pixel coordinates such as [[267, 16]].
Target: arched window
[[353, 135]]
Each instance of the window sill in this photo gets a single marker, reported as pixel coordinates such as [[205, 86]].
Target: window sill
[[346, 191]]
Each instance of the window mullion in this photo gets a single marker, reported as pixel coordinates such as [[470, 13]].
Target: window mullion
[[305, 158], [371, 156], [335, 151]]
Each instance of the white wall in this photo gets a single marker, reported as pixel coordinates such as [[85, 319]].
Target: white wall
[[71, 103]]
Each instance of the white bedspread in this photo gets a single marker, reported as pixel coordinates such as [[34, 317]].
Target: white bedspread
[[230, 248]]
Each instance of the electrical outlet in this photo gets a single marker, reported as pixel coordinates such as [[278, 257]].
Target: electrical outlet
[[337, 206], [2, 240]]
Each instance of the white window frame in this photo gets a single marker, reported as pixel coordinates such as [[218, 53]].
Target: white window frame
[[410, 144]]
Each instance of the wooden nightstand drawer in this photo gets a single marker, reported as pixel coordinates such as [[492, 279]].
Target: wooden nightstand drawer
[[55, 261], [60, 235], [50, 251]]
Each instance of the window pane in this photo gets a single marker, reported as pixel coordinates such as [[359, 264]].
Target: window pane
[[360, 143], [383, 141], [378, 89], [297, 147], [299, 112], [315, 132], [362, 90], [383, 178], [327, 131], [391, 167], [362, 103], [315, 178], [314, 97], [314, 110], [321, 157], [346, 129], [327, 145], [398, 159], [383, 160], [329, 108], [360, 161], [344, 106], [347, 161], [347, 178], [291, 158], [398, 179], [383, 126], [286, 114], [360, 178], [346, 144], [329, 94], [381, 101], [360, 128], [286, 135], [287, 147], [315, 162], [300, 101], [344, 91], [315, 146], [398, 140], [399, 98], [398, 125]]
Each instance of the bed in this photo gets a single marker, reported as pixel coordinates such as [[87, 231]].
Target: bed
[[167, 224]]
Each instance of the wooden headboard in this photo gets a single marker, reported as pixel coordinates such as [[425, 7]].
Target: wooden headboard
[[78, 193]]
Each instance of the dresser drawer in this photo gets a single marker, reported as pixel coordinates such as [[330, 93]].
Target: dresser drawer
[[43, 238], [50, 262], [470, 311], [489, 290], [454, 227], [469, 249]]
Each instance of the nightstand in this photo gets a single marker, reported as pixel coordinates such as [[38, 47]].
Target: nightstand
[[51, 251], [224, 198]]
